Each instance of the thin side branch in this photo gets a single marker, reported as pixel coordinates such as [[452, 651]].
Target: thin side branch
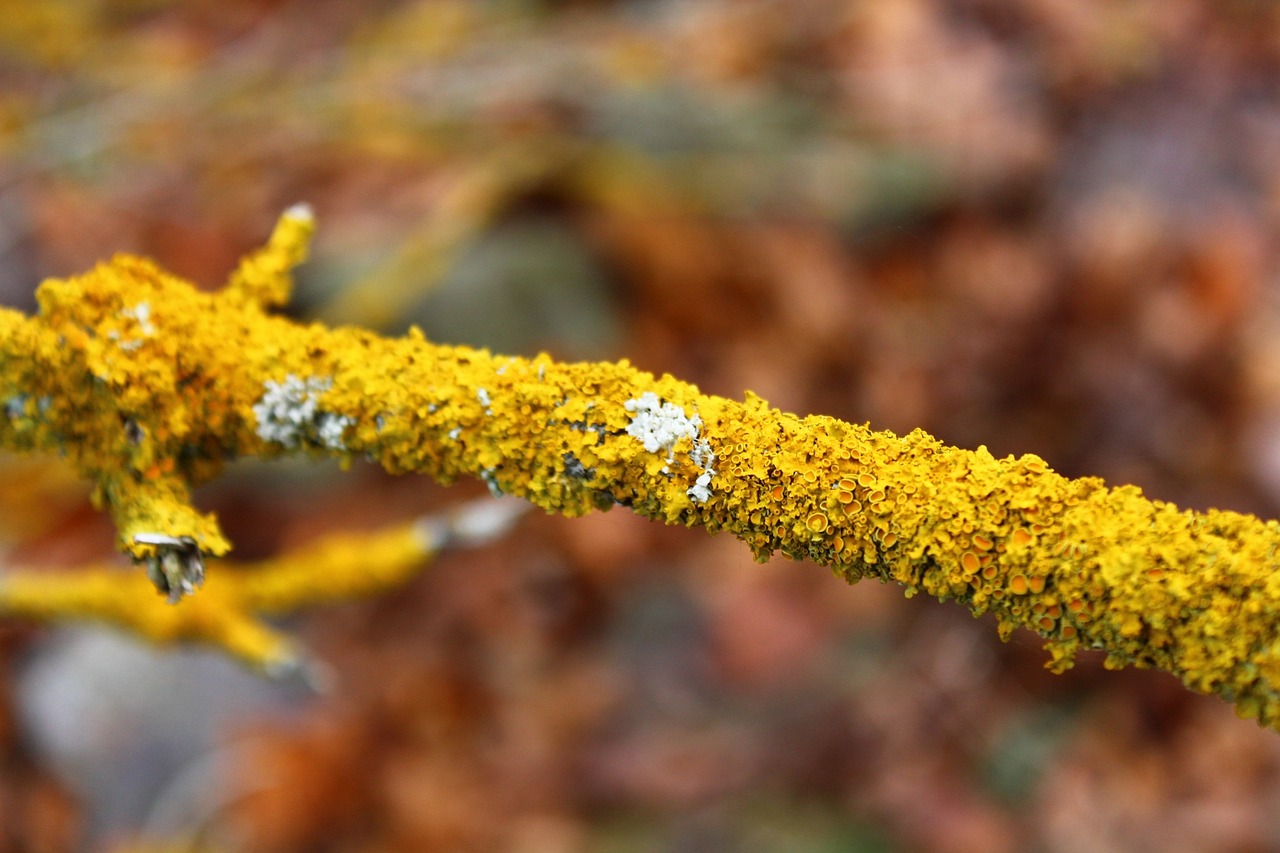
[[228, 613]]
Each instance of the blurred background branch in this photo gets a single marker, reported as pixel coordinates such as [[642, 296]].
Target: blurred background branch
[[228, 613]]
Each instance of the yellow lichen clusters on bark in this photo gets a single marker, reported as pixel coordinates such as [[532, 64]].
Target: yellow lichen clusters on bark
[[149, 409]]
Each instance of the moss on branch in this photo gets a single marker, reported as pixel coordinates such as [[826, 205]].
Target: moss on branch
[[149, 385]]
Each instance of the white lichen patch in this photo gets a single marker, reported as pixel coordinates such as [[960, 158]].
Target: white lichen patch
[[300, 212], [482, 394], [140, 314], [330, 428], [659, 427], [289, 413], [491, 480], [701, 489]]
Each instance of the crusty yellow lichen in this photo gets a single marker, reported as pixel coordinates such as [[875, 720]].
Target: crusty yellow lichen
[[213, 376], [227, 614]]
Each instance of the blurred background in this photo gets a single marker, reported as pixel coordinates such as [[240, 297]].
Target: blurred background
[[1047, 226]]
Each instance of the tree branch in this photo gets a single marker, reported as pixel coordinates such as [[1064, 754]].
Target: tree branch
[[149, 385], [228, 613]]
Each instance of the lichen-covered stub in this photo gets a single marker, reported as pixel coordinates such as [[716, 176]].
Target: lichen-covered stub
[[129, 373]]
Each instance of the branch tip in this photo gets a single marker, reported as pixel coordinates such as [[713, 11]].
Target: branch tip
[[295, 667], [301, 212], [472, 525], [175, 566]]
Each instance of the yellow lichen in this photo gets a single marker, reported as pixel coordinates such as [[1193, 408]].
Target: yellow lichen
[[228, 612], [264, 276], [147, 411]]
